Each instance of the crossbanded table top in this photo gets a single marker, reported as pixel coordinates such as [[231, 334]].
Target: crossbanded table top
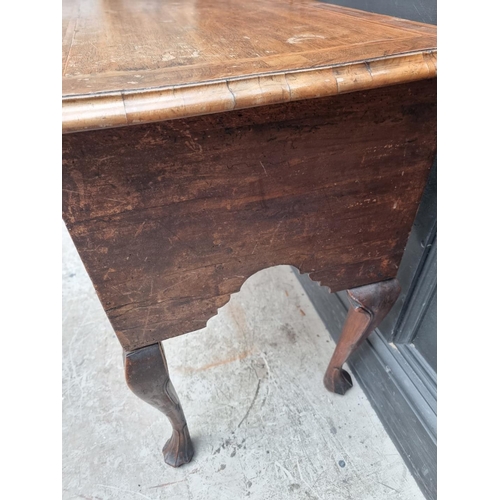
[[139, 61]]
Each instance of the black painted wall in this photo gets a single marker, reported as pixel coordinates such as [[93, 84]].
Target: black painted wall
[[423, 11]]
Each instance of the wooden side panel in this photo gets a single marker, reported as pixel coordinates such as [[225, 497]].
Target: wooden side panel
[[171, 218]]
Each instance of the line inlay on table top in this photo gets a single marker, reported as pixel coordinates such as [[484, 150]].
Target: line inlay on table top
[[139, 61]]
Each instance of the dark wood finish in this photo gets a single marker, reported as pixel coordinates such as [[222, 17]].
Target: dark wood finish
[[368, 306], [171, 218], [146, 373], [229, 144]]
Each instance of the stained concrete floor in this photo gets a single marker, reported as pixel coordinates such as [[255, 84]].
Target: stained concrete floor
[[250, 383]]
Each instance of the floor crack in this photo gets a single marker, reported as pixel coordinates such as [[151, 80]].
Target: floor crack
[[251, 404]]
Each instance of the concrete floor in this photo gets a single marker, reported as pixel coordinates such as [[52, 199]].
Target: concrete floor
[[250, 383]]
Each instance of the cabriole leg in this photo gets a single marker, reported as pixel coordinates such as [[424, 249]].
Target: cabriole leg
[[369, 305], [147, 376]]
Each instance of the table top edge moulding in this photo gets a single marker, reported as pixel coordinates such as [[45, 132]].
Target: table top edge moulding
[[369, 51]]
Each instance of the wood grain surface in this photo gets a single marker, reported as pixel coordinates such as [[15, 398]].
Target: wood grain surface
[[171, 218], [369, 305], [146, 373], [140, 61]]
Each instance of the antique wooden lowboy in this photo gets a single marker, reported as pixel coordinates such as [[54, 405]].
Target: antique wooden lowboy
[[205, 140]]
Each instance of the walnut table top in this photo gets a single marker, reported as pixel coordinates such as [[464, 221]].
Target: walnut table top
[[138, 61]]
